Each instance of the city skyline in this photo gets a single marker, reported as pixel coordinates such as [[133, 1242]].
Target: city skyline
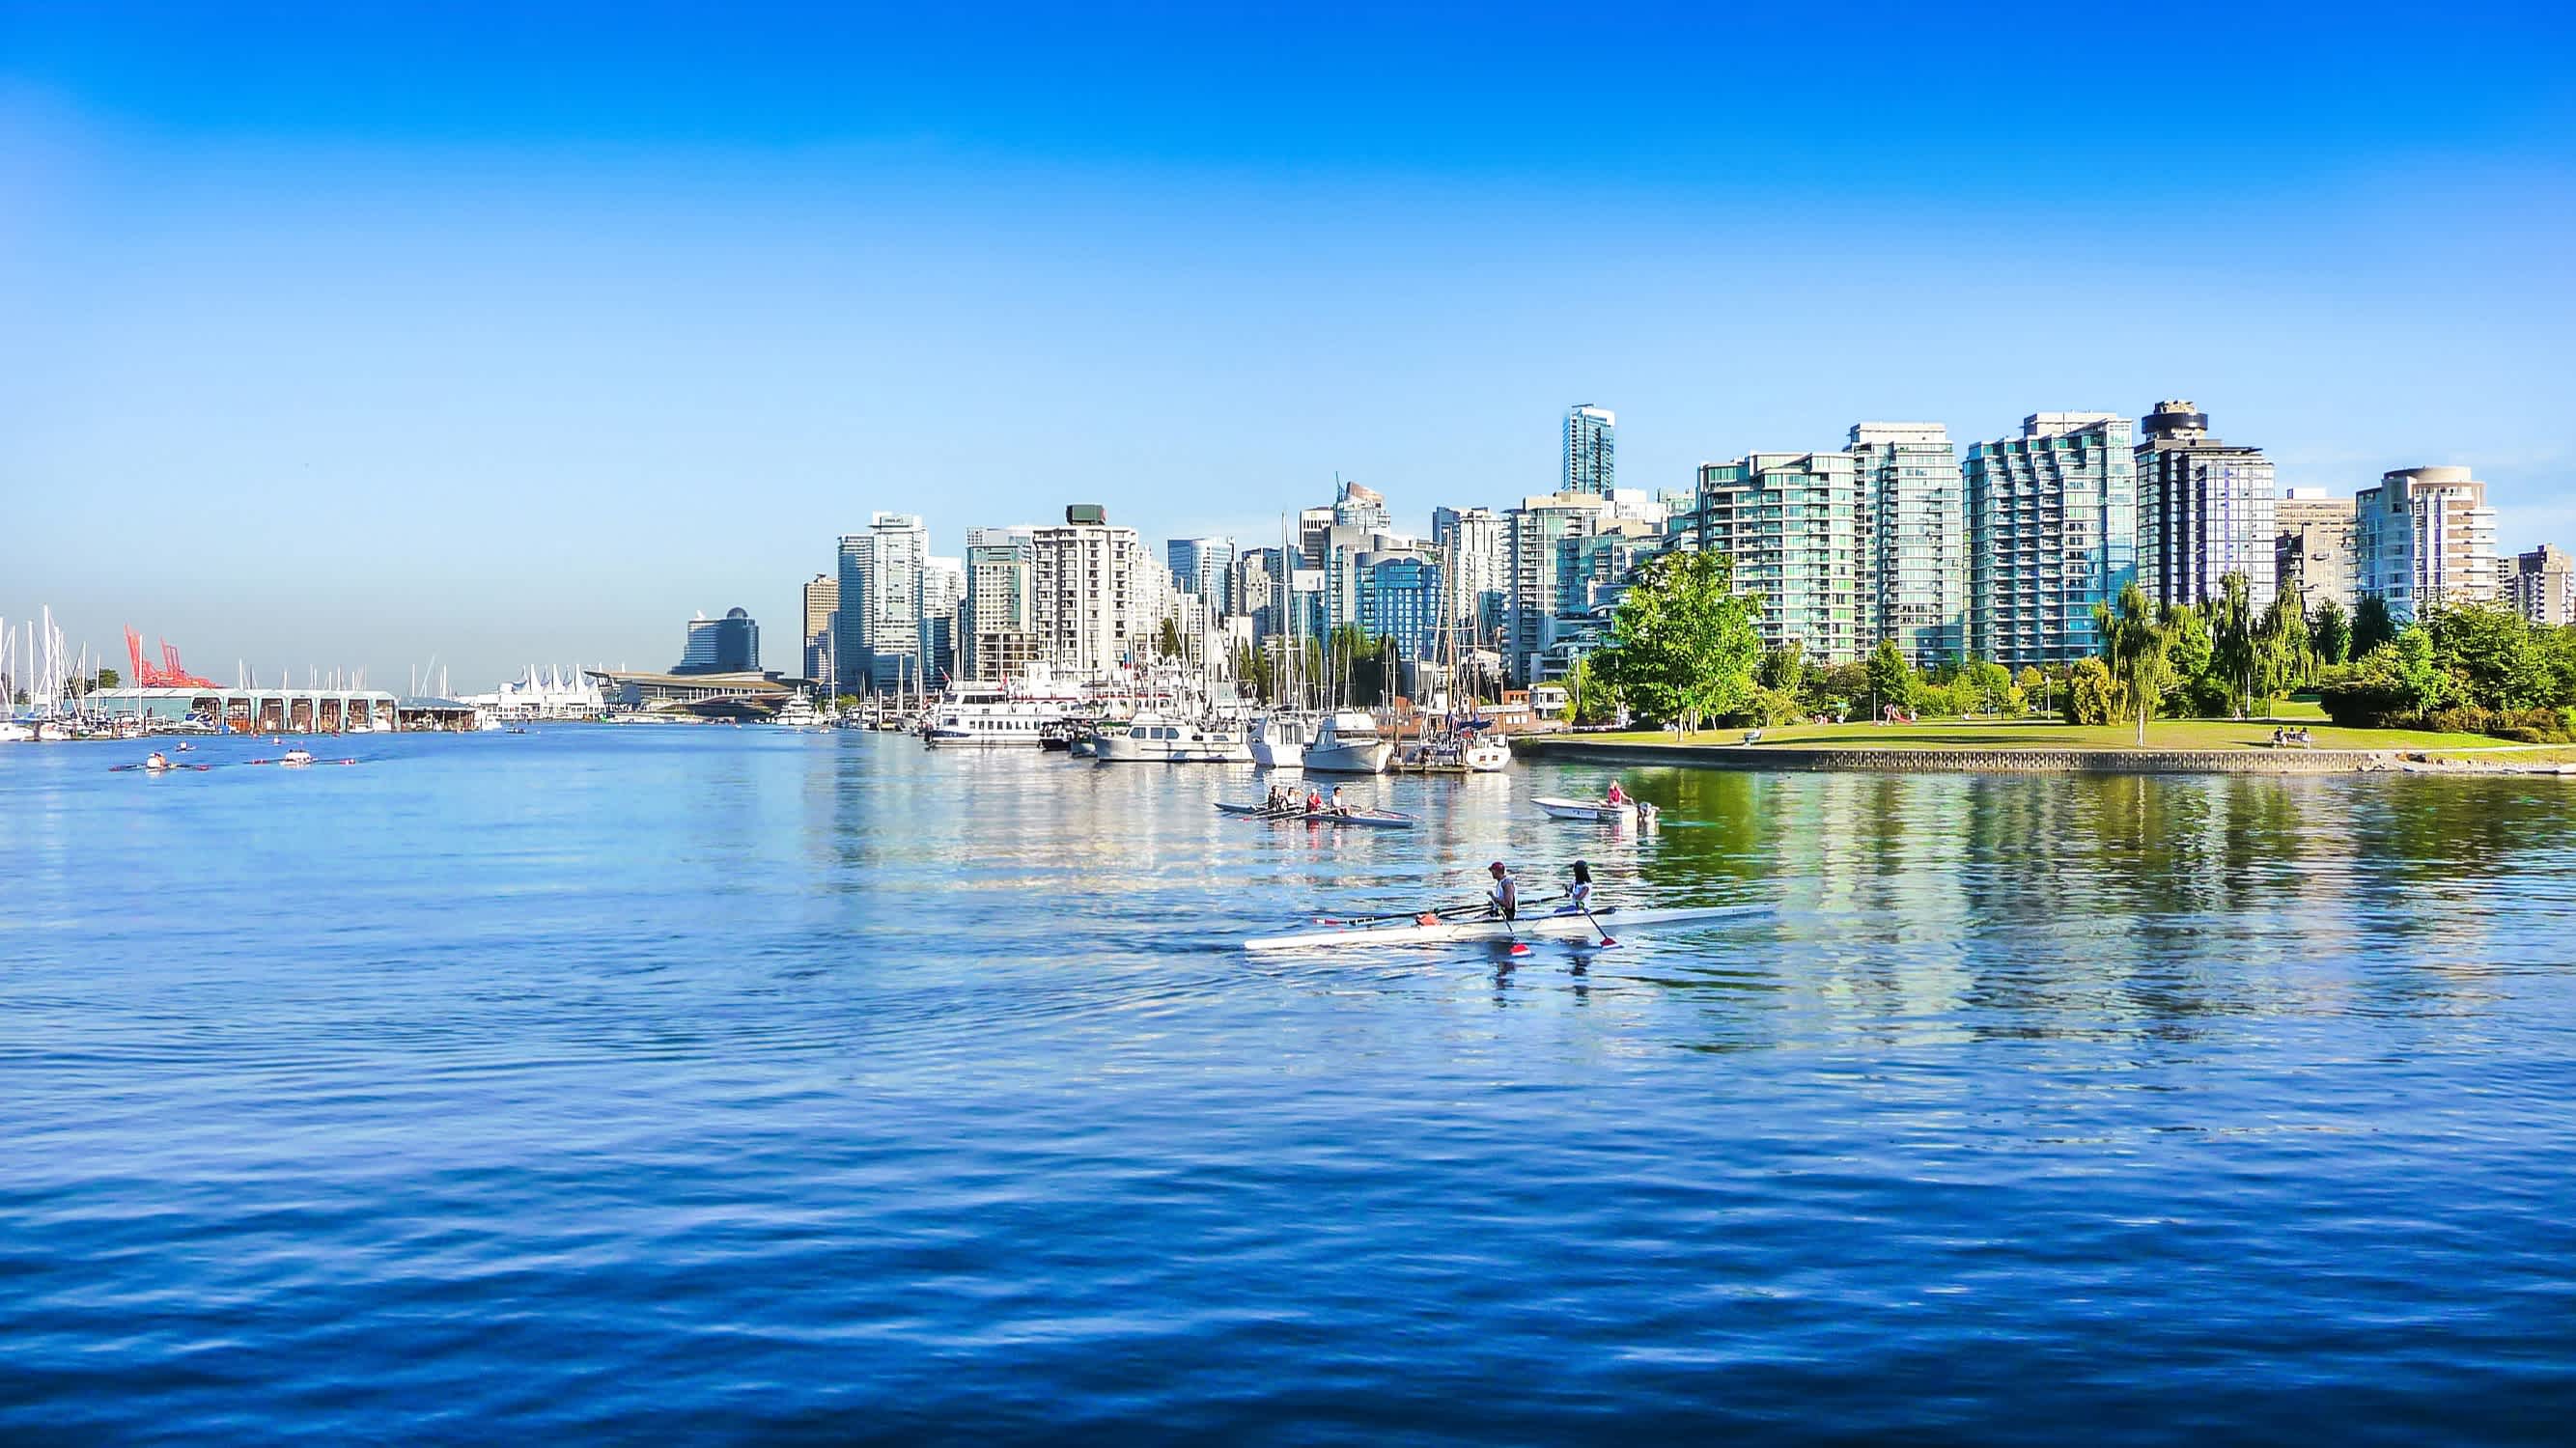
[[524, 361]]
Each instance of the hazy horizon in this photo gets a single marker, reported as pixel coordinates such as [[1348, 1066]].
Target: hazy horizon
[[353, 338]]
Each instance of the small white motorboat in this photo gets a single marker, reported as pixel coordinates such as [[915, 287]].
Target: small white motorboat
[[1349, 742], [295, 757], [1599, 811]]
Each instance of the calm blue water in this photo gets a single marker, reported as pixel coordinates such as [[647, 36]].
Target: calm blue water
[[721, 1085]]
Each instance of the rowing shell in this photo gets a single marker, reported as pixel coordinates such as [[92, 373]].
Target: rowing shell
[[1453, 930], [1385, 819]]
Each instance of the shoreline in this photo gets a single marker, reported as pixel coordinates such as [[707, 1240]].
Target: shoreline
[[2016, 759]]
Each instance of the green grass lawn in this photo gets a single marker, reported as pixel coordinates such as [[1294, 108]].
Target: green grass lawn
[[2161, 734]]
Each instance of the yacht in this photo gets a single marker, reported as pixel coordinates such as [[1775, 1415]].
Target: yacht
[[1172, 739], [1279, 740], [1349, 742], [13, 732], [990, 718], [799, 714]]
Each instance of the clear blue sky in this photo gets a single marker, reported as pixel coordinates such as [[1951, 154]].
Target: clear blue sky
[[357, 333]]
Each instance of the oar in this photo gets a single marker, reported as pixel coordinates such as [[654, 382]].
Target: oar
[[1606, 941], [1443, 911]]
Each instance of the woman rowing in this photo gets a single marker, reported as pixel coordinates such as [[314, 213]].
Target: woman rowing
[[1578, 896], [1618, 796]]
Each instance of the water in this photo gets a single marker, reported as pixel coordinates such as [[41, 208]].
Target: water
[[722, 1085]]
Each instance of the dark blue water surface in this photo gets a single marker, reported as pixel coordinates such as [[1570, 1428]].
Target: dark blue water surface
[[718, 1085]]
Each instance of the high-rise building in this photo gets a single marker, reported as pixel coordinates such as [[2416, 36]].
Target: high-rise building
[[1399, 599], [943, 598], [1205, 567], [2313, 557], [1911, 519], [2425, 537], [1314, 535], [822, 599], [1530, 535], [1787, 524], [1095, 594], [1471, 543], [996, 627], [727, 645], [2052, 530], [1591, 450], [2205, 510], [2541, 585], [877, 638], [1362, 508], [1260, 576]]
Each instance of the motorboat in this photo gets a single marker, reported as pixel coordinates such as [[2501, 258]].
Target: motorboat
[[1384, 819], [1487, 754], [1279, 740], [1442, 932], [13, 732], [1349, 742], [1599, 811], [1172, 739], [295, 757]]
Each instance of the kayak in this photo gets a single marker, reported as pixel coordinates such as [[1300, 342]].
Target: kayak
[[1385, 819], [1598, 811], [1406, 933]]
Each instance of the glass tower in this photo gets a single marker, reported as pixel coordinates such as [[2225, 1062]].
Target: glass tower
[[1912, 520], [2052, 530], [1591, 450]]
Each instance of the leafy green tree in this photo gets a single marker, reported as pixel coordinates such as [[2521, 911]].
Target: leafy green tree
[[1683, 643], [1990, 687], [2331, 628], [107, 679], [2405, 665], [1784, 669], [2281, 655], [2092, 696], [1588, 698], [2135, 647], [2372, 626], [1167, 639], [1891, 679], [2231, 640], [2492, 654]]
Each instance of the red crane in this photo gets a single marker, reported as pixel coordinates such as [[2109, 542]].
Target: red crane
[[168, 674]]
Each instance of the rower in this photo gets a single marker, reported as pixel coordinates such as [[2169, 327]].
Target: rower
[[1504, 900], [158, 760], [1314, 802], [1617, 795], [1339, 807], [1578, 896]]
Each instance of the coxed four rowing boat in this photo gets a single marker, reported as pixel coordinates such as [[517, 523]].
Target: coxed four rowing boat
[[1407, 933]]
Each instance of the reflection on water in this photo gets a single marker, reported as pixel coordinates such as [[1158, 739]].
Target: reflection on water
[[731, 1084]]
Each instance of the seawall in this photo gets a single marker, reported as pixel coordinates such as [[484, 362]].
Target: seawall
[[2036, 760]]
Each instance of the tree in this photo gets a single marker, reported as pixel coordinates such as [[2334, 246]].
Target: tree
[[2134, 648], [2331, 628], [2190, 651], [2231, 640], [1990, 687], [2280, 653], [1784, 669], [2372, 626], [2491, 652], [2092, 695], [1588, 699], [1891, 679], [107, 679], [1167, 639], [1683, 645]]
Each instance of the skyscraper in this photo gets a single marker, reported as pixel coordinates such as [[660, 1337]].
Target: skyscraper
[[997, 627], [943, 597], [1094, 593], [1591, 450], [2313, 555], [1204, 567], [877, 641], [822, 599], [2052, 530], [1471, 542], [1786, 522], [2205, 510], [1362, 508], [2541, 585], [1530, 535], [1911, 518], [2425, 537], [727, 645]]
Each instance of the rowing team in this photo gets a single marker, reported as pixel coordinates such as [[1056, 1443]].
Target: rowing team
[[1503, 901], [1284, 799]]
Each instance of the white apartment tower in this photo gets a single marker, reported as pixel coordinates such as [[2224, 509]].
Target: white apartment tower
[[2205, 510], [1095, 593], [2425, 537]]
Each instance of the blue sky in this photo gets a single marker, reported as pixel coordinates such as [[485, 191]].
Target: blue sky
[[356, 334]]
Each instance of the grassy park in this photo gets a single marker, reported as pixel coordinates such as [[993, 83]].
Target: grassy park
[[2162, 734]]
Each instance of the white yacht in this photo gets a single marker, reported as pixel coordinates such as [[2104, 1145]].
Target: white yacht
[[1279, 740], [1171, 739], [989, 718], [13, 732], [1349, 742]]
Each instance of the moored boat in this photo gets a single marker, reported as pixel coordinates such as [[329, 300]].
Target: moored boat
[[1170, 739], [1349, 742], [1279, 740]]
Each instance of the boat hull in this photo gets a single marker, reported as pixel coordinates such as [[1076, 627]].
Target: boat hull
[[1368, 757], [1593, 811], [1379, 819], [1450, 932]]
